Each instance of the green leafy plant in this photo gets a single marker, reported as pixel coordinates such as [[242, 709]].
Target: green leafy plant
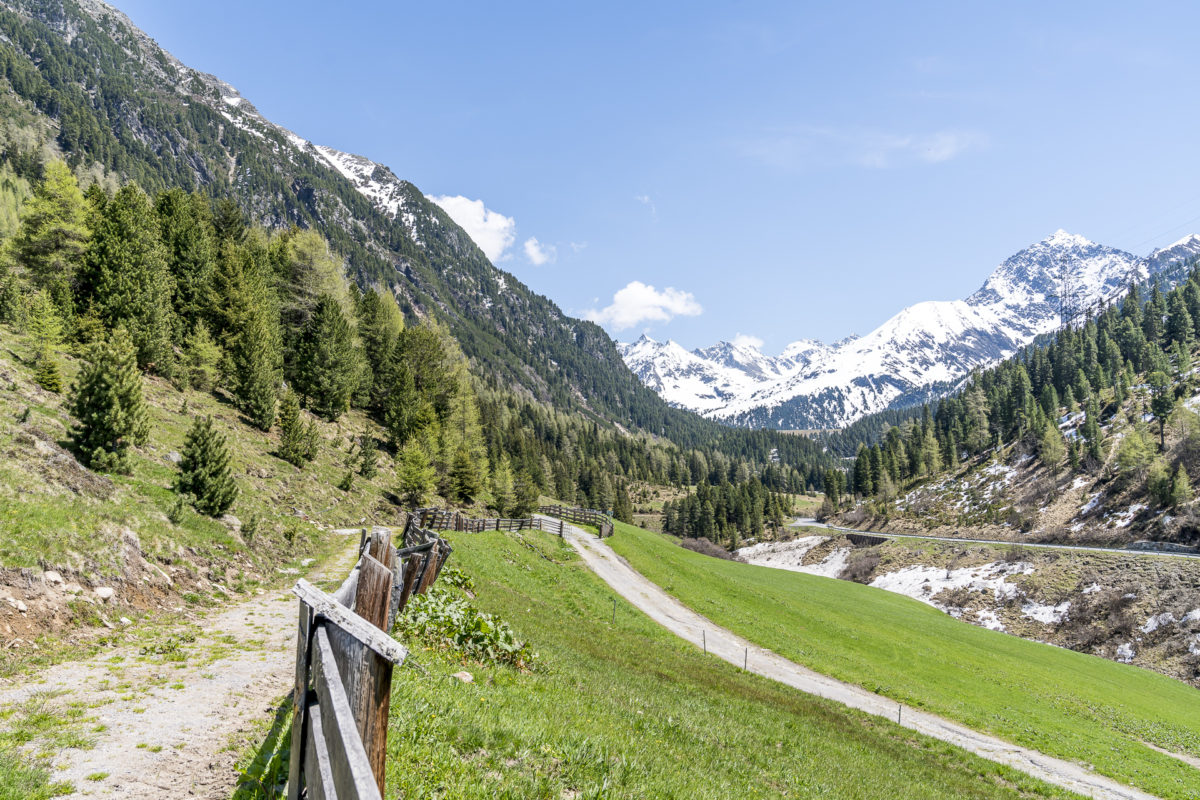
[[448, 620]]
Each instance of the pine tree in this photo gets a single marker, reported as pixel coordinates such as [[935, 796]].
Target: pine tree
[[46, 327], [368, 456], [414, 475], [379, 326], [463, 476], [405, 412], [1162, 400], [503, 487], [1181, 487], [125, 277], [53, 235], [327, 368], [204, 472], [294, 436], [201, 358], [186, 230], [108, 406], [1052, 449]]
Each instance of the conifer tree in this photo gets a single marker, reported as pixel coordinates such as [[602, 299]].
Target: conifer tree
[[201, 358], [405, 412], [503, 486], [1162, 400], [326, 371], [53, 235], [463, 477], [125, 277], [368, 456], [379, 326], [186, 230], [204, 472], [295, 437], [414, 475], [1181, 487], [108, 406]]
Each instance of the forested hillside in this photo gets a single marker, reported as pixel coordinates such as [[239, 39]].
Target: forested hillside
[[1106, 406]]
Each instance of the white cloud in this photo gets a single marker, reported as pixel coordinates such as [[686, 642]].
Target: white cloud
[[811, 146], [492, 231], [645, 200], [639, 302], [746, 340], [539, 253], [578, 247]]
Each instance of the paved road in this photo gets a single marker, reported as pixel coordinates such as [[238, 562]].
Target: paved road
[[812, 523], [690, 626]]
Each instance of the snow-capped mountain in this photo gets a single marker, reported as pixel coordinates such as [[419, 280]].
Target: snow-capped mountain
[[922, 352]]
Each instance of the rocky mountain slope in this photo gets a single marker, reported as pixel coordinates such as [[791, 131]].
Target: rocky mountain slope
[[920, 353], [79, 77]]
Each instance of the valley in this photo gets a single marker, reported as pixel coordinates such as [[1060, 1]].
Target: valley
[[957, 556]]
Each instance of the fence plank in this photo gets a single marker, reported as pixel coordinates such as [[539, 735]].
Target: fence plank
[[318, 772], [300, 701], [373, 599], [324, 605], [350, 768]]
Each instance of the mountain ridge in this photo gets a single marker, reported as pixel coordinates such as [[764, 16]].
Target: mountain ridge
[[922, 351]]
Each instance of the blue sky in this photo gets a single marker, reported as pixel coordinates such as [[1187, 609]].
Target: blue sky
[[771, 170]]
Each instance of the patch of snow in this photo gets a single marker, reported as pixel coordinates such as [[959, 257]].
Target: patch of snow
[[1124, 518], [1079, 483], [924, 583], [1091, 504], [1194, 614], [1194, 645], [987, 618], [782, 555], [1125, 653], [1157, 621], [1049, 615], [831, 567], [1095, 587]]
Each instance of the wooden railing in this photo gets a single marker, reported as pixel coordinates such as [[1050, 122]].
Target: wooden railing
[[581, 516], [344, 663], [445, 520]]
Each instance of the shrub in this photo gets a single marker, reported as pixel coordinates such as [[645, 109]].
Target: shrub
[[448, 620], [860, 566], [706, 547]]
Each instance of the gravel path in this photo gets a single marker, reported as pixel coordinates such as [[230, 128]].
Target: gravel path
[[690, 626], [173, 712]]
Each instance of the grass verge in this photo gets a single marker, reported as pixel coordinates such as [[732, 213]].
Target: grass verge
[[1071, 705], [625, 710]]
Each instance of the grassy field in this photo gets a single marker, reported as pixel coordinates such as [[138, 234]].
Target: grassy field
[[627, 710], [1078, 707]]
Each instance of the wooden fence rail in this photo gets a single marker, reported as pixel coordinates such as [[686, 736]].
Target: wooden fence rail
[[344, 663], [446, 520], [581, 516]]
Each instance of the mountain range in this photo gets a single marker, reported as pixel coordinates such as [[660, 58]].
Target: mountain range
[[920, 353]]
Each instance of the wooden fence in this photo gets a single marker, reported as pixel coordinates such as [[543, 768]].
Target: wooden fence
[[445, 520], [581, 516], [344, 663]]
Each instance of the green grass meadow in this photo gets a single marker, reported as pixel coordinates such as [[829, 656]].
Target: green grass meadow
[[627, 710], [1075, 706]]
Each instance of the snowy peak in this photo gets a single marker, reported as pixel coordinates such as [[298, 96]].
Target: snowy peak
[[1034, 276], [923, 351]]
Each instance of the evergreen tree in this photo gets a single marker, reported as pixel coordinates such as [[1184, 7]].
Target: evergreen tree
[[52, 239], [1181, 487], [186, 230], [1162, 400], [201, 358], [368, 456], [405, 412], [503, 487], [108, 406], [294, 435], [204, 472], [327, 369], [379, 326], [414, 475], [125, 277], [463, 477]]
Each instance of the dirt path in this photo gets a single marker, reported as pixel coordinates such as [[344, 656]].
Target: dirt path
[[164, 712], [690, 626]]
